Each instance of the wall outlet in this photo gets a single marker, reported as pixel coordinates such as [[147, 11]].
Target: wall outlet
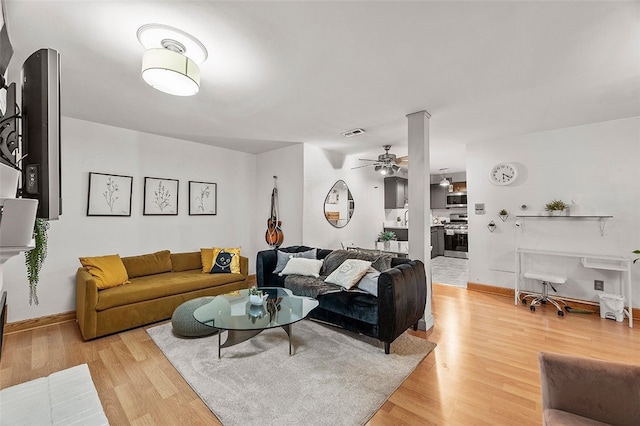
[[598, 285]]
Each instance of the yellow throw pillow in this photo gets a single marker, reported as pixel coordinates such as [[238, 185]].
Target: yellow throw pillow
[[235, 259], [206, 257], [107, 271]]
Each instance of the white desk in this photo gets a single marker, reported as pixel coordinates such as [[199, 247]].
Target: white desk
[[593, 261]]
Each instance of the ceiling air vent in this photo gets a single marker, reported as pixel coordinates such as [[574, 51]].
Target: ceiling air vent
[[354, 132]]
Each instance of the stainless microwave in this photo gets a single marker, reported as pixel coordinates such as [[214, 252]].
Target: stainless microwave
[[456, 199]]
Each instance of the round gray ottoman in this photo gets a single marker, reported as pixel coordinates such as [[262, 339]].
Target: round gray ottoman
[[183, 322]]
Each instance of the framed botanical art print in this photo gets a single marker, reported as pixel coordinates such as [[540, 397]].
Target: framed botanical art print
[[160, 196], [203, 198], [109, 195]]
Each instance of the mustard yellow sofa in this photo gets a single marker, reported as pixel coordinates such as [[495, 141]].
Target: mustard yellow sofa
[[159, 283]]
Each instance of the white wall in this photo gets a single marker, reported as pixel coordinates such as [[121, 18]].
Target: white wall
[[89, 147], [287, 164], [597, 163], [321, 170]]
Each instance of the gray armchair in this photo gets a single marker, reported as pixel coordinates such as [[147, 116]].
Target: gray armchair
[[583, 391]]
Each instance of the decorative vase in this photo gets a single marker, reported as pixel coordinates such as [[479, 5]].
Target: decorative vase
[[256, 299], [386, 245]]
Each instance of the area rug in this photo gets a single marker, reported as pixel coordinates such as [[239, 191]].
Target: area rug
[[63, 398], [333, 377]]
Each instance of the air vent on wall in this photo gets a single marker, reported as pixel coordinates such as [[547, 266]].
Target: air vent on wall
[[354, 132]]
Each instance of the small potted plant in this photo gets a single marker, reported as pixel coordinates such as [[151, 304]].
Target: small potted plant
[[636, 252], [503, 214], [556, 208], [256, 297], [385, 237]]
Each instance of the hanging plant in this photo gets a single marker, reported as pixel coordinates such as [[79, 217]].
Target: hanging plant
[[34, 258]]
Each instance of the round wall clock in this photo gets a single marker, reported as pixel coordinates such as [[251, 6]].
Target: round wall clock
[[503, 174]]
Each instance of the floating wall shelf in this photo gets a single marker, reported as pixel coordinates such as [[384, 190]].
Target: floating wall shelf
[[602, 219]]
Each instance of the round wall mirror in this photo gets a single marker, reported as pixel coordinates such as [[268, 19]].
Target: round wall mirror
[[338, 206]]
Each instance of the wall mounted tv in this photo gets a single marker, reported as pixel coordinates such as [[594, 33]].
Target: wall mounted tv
[[41, 164]]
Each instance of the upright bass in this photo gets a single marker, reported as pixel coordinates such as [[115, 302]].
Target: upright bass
[[274, 235]]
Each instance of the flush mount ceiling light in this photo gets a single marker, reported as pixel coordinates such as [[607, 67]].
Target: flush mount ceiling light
[[444, 181], [170, 63]]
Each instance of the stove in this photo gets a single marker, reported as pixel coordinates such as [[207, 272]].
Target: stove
[[456, 239], [458, 222]]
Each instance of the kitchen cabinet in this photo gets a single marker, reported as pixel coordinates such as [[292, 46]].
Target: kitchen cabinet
[[438, 196], [402, 234], [458, 187], [440, 233], [437, 241], [396, 192], [434, 242]]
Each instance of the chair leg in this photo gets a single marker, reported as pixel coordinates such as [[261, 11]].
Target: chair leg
[[544, 298], [415, 327], [387, 347]]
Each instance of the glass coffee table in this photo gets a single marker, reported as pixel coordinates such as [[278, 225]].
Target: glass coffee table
[[243, 320]]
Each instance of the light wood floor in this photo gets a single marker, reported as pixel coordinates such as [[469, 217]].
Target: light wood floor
[[484, 370]]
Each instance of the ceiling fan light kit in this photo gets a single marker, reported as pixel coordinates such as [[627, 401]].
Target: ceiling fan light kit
[[170, 63], [386, 164]]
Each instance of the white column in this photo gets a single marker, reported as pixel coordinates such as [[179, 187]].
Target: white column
[[420, 201]]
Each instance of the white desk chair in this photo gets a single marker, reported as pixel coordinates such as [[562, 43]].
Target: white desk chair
[[547, 280]]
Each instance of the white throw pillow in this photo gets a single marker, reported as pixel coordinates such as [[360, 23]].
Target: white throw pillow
[[302, 266], [349, 273], [369, 282]]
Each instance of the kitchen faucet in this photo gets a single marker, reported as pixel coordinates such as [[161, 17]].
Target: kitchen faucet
[[406, 220]]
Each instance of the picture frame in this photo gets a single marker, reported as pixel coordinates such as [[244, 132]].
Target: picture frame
[[109, 195], [160, 197], [203, 198]]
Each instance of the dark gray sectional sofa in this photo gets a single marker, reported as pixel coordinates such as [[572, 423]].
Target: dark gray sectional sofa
[[402, 291]]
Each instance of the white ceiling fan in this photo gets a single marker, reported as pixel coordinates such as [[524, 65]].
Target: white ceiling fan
[[387, 164]]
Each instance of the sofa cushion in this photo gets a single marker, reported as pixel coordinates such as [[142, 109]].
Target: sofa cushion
[[206, 258], [307, 286], [283, 258], [349, 273], [302, 266], [186, 261], [337, 257], [359, 306], [208, 255], [225, 260], [148, 264], [107, 271], [161, 285], [369, 282]]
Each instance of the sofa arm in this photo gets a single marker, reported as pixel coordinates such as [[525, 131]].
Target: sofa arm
[[86, 301], [266, 261], [402, 295], [605, 391]]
